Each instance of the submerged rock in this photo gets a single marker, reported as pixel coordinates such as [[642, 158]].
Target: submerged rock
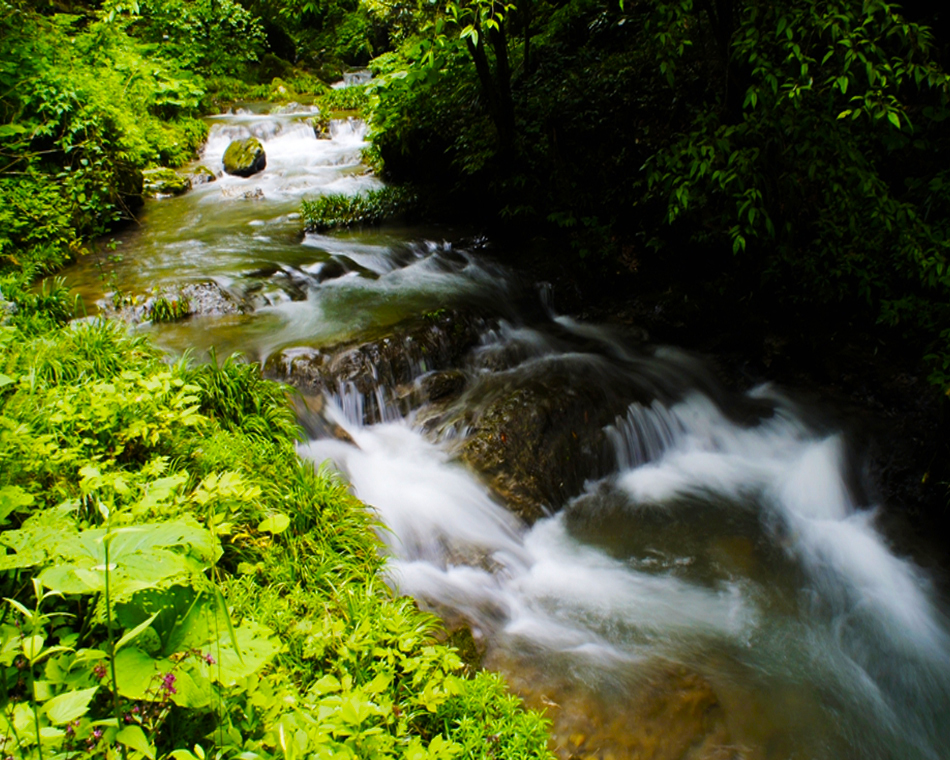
[[163, 182], [244, 158], [170, 304], [671, 713], [202, 175]]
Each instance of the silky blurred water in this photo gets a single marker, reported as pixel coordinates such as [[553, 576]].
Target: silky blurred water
[[714, 588]]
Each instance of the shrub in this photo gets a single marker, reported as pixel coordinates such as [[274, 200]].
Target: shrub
[[374, 207]]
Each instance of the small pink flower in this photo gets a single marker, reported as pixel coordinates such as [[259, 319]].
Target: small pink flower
[[209, 659], [168, 683]]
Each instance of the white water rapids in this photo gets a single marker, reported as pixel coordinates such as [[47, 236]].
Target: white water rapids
[[714, 588], [733, 550]]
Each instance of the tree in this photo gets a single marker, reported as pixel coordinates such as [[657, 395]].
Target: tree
[[832, 177]]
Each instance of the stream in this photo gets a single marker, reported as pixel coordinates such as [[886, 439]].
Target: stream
[[668, 569]]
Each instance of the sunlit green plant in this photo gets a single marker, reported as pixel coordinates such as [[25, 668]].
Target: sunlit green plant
[[373, 207]]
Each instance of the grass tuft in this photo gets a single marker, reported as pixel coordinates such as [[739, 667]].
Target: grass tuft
[[328, 212]]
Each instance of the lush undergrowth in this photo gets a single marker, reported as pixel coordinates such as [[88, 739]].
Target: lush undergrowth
[[83, 108], [179, 583], [176, 581]]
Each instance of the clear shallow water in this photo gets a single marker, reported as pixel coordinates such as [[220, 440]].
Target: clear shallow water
[[715, 588]]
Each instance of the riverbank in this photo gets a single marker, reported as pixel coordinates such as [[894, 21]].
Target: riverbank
[[178, 581]]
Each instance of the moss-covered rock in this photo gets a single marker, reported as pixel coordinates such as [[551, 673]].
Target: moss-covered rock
[[201, 175], [244, 158], [163, 182], [272, 66]]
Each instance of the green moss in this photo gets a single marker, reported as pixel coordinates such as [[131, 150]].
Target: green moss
[[163, 181], [244, 157]]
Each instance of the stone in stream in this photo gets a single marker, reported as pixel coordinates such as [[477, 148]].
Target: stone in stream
[[202, 175], [163, 182], [244, 158], [311, 413], [536, 442], [171, 303], [387, 369]]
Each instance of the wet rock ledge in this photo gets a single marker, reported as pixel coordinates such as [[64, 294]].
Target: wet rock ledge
[[386, 375]]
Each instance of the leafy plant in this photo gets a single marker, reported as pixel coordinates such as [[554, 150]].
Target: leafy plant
[[374, 207], [181, 584], [165, 310]]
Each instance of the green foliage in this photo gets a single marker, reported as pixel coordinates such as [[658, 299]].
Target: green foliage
[[354, 98], [374, 207], [423, 124], [237, 395], [179, 583], [828, 176], [212, 36], [796, 151], [165, 310], [80, 108]]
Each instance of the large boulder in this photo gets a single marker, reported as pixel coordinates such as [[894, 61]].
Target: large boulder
[[244, 158], [536, 442], [162, 182]]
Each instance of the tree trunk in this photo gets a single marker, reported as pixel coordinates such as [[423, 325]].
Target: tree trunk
[[496, 87]]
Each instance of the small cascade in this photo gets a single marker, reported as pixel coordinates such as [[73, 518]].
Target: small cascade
[[353, 79], [643, 434]]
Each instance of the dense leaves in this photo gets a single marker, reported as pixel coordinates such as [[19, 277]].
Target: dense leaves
[[794, 151], [177, 581]]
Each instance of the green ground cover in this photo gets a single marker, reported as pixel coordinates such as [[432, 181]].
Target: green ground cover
[[176, 582]]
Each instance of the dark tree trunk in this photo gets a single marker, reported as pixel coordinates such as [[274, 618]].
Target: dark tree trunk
[[496, 87]]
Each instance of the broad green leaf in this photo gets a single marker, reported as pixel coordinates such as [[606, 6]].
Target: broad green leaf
[[274, 524], [131, 635], [22, 559], [69, 706], [327, 684], [182, 754], [12, 498], [257, 646], [32, 646], [378, 684], [133, 736], [140, 557], [8, 130], [140, 676], [169, 608]]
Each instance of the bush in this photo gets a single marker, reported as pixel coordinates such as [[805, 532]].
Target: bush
[[354, 98]]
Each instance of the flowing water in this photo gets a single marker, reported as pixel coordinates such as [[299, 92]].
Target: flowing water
[[706, 578]]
